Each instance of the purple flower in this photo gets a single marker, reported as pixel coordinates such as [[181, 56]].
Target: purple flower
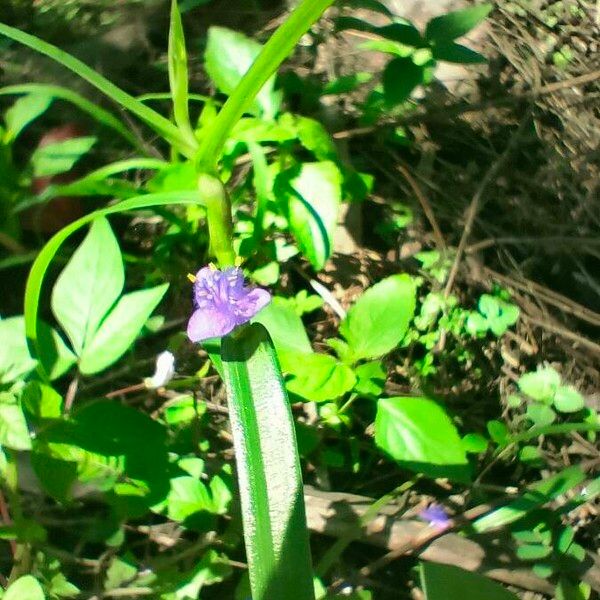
[[222, 302], [436, 515]]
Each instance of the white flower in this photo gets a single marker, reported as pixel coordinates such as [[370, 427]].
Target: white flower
[[165, 370]]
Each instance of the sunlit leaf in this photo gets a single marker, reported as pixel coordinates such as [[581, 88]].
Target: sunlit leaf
[[379, 319], [420, 436], [89, 285]]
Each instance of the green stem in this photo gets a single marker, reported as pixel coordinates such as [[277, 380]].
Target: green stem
[[276, 50], [554, 430], [218, 215]]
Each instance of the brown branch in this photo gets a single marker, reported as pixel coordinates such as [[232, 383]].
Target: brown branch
[[337, 514]]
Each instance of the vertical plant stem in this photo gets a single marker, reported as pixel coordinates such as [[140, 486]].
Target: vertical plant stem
[[218, 214]]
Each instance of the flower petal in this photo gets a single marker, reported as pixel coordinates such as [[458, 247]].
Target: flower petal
[[209, 323], [253, 302]]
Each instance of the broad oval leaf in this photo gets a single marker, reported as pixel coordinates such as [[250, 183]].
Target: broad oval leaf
[[400, 78], [120, 328], [319, 377], [14, 432], [379, 319], [25, 588], [568, 400], [188, 496], [89, 285], [228, 56], [541, 384], [453, 25], [15, 358], [312, 194], [60, 157], [285, 328], [24, 111], [420, 436]]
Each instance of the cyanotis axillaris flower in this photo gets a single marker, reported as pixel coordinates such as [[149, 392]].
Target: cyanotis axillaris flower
[[222, 301]]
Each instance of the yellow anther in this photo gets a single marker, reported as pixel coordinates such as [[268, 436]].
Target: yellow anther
[[212, 267], [191, 277], [239, 261]]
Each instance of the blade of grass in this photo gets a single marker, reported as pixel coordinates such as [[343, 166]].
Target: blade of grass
[[268, 468], [154, 120], [275, 51], [536, 495], [178, 74], [85, 185]]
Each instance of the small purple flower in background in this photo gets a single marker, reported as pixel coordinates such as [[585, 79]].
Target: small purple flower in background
[[222, 301], [436, 515]]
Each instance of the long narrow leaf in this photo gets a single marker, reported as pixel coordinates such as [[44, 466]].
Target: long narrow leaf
[[178, 74], [42, 262], [268, 468], [275, 51], [56, 91], [154, 120], [91, 184]]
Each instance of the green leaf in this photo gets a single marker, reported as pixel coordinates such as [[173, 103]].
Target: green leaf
[[568, 400], [446, 582], [285, 328], [275, 51], [103, 445], [24, 111], [89, 285], [404, 33], [119, 329], [55, 91], [498, 432], [540, 385], [533, 551], [371, 378], [313, 194], [178, 74], [212, 568], [14, 432], [314, 137], [319, 377], [418, 434], [188, 496], [15, 360], [44, 258], [474, 443], [25, 588], [268, 468], [154, 120], [535, 496], [453, 25], [60, 157], [120, 571], [531, 456], [400, 78], [42, 401], [457, 53], [228, 56], [540, 414], [379, 319]]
